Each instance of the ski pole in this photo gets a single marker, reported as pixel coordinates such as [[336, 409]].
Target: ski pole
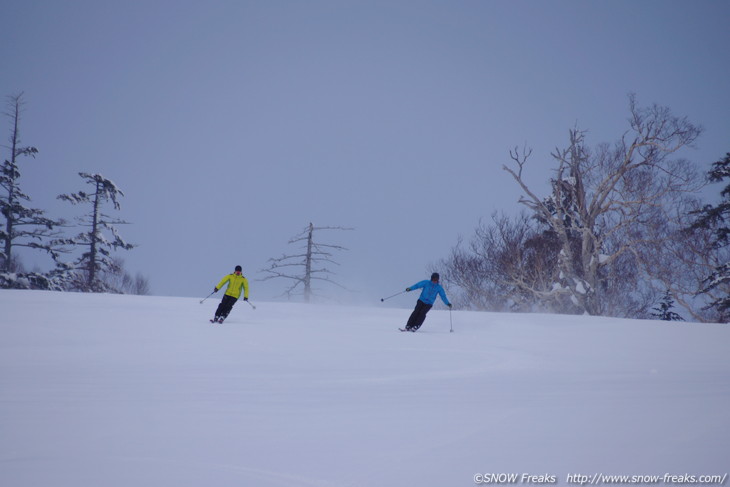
[[209, 295], [249, 302], [397, 294], [451, 321]]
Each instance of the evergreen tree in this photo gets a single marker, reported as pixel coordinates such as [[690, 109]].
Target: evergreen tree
[[664, 311], [715, 218], [24, 226], [97, 260]]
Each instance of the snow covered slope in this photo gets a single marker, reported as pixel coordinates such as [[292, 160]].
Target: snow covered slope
[[106, 390]]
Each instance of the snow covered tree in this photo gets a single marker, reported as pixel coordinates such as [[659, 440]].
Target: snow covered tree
[[614, 210], [96, 259], [664, 311], [24, 226], [714, 218], [307, 266]]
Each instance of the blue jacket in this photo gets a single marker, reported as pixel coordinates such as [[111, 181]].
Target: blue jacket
[[430, 290]]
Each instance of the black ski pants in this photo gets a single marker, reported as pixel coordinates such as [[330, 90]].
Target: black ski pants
[[226, 306], [418, 316]]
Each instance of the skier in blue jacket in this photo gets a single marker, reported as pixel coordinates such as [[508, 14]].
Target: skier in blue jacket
[[431, 289]]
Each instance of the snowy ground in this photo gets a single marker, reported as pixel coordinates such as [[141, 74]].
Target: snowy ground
[[106, 390]]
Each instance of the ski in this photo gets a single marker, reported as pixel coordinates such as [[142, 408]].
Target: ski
[[403, 329]]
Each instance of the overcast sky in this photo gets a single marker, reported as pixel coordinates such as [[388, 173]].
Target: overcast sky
[[230, 125]]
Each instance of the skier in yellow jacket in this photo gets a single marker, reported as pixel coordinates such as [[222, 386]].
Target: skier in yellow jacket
[[236, 283]]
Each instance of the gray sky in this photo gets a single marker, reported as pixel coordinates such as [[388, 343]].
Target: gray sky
[[230, 125]]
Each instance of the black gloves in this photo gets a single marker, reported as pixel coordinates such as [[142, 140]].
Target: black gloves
[[215, 289]]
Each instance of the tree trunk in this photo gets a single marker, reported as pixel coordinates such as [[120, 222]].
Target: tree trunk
[[94, 237], [11, 189], [308, 266]]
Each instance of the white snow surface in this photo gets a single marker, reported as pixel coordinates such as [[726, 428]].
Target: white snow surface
[[111, 390]]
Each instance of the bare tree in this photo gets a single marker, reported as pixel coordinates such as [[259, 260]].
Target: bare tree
[[611, 208], [116, 279], [307, 266], [508, 265], [24, 226]]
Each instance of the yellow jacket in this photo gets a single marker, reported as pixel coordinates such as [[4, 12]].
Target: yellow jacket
[[235, 284]]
